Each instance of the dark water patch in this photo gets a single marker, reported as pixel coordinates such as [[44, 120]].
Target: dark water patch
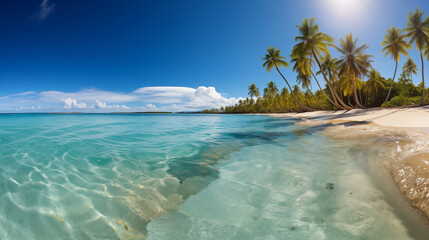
[[267, 120], [258, 135], [200, 169], [311, 130], [100, 161], [279, 124], [202, 165]]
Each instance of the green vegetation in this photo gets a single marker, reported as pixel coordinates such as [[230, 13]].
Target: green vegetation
[[344, 77]]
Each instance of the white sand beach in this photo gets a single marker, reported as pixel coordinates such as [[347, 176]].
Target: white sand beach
[[416, 117]]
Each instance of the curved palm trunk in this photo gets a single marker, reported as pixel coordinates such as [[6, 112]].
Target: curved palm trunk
[[330, 89], [344, 106], [327, 97], [391, 84], [355, 94], [360, 97], [293, 94], [423, 80]]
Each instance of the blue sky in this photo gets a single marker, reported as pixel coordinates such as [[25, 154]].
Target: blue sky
[[59, 55]]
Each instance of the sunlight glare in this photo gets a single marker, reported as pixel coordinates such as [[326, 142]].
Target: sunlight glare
[[345, 9]]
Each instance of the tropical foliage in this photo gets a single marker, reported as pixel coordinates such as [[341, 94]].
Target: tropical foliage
[[347, 81]]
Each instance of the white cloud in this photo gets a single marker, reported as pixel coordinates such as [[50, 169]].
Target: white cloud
[[45, 9], [100, 104], [143, 99], [89, 95], [150, 107], [103, 105], [187, 98], [70, 103]]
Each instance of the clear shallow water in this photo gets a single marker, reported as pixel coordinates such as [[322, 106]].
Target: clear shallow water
[[97, 176]]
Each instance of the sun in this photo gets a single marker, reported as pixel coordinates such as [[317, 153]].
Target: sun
[[345, 9]]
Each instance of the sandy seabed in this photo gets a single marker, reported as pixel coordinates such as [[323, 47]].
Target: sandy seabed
[[402, 134]]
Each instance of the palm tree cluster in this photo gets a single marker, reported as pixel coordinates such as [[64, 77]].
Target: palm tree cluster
[[341, 81]]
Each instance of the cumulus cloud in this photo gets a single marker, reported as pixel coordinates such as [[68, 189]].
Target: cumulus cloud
[[100, 104], [143, 99], [70, 103], [189, 98], [150, 107], [45, 9], [103, 105]]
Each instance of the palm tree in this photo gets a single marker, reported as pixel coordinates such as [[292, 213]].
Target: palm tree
[[346, 86], [410, 68], [417, 31], [274, 59], [302, 66], [305, 81], [329, 67], [284, 92], [394, 45], [312, 43], [373, 83], [271, 89], [253, 91], [353, 63], [366, 59]]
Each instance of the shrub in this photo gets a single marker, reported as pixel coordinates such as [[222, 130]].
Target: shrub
[[401, 100]]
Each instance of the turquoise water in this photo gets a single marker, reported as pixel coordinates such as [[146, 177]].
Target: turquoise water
[[130, 176]]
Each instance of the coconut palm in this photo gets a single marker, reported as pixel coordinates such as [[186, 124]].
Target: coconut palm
[[329, 67], [253, 91], [353, 63], [305, 81], [273, 59], [346, 86], [366, 59], [373, 84], [313, 44], [302, 66], [410, 68], [271, 89], [394, 45], [417, 31]]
